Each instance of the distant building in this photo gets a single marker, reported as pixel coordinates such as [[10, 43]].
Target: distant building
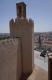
[[46, 39]]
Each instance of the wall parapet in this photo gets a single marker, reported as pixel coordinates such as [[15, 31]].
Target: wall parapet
[[12, 21], [10, 59]]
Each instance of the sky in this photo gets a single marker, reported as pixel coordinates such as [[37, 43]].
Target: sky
[[38, 10]]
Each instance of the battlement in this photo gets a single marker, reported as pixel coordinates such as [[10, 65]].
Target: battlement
[[9, 42], [24, 20], [27, 21]]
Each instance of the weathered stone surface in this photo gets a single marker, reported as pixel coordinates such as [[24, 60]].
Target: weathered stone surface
[[10, 60]]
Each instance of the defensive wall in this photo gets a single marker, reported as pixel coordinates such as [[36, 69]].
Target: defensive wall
[[10, 59]]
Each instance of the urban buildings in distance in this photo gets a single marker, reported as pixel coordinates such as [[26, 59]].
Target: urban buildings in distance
[[45, 39]]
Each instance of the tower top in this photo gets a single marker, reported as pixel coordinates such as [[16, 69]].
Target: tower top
[[21, 3], [21, 10]]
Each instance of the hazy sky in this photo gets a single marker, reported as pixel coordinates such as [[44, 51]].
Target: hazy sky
[[39, 10]]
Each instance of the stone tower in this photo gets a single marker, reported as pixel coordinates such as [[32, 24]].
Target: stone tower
[[21, 10], [23, 28]]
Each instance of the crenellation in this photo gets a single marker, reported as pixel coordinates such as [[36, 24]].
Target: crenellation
[[24, 21], [31, 22], [8, 42], [16, 20], [11, 21]]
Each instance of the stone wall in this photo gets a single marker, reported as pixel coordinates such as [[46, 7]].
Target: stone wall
[[24, 29], [10, 59]]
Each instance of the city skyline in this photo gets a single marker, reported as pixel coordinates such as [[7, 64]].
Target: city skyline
[[38, 10]]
